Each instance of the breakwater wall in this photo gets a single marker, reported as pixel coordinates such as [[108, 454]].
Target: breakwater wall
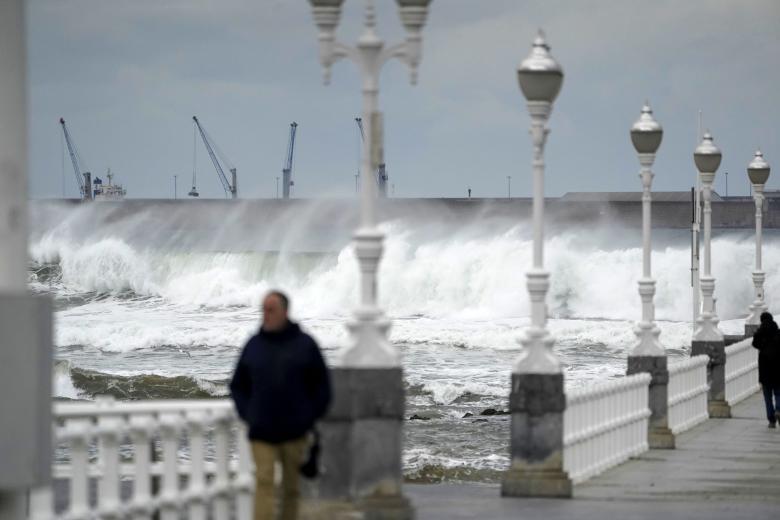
[[204, 213]]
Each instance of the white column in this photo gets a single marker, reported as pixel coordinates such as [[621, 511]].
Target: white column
[[13, 149], [758, 306], [708, 320], [141, 426], [13, 181], [538, 357], [369, 327], [196, 487], [647, 331]]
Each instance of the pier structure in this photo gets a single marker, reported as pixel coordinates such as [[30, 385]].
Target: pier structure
[[168, 459]]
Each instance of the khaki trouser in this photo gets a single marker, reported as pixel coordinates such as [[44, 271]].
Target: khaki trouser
[[290, 455]]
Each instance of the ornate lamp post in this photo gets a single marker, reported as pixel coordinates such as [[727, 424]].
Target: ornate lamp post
[[648, 354], [707, 338], [758, 172], [537, 399], [368, 386]]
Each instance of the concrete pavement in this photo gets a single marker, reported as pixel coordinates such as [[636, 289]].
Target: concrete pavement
[[723, 468]]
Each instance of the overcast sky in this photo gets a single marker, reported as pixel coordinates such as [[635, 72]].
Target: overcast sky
[[129, 75]]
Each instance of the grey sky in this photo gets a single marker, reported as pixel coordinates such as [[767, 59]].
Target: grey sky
[[129, 75]]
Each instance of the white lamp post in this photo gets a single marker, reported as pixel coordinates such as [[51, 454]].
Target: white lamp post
[[758, 172], [537, 400], [648, 355], [707, 158], [368, 394], [540, 78], [646, 136], [369, 328], [707, 338]]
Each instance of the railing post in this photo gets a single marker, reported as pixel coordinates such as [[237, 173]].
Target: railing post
[[140, 432], [108, 452], [222, 476], [169, 497], [243, 482], [659, 435], [196, 486], [78, 430]]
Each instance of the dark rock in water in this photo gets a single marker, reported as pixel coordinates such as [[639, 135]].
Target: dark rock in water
[[467, 414], [493, 411], [416, 417], [479, 420]]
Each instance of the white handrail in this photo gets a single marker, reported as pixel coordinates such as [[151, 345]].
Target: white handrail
[[97, 440], [687, 394], [741, 371], [604, 425]]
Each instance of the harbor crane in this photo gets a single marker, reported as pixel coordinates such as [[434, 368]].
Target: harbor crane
[[381, 172], [287, 181], [83, 179], [218, 158]]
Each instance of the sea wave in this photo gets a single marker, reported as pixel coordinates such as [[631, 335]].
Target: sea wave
[[81, 383]]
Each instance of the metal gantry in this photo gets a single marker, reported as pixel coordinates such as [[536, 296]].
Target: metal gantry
[[83, 179], [218, 158], [287, 181], [381, 171]]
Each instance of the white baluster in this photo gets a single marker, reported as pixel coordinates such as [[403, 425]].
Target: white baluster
[[196, 487], [244, 481], [169, 437], [78, 430], [41, 503], [109, 428], [222, 456], [141, 427]]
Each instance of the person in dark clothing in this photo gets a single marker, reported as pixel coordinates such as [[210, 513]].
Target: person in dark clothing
[[767, 341], [281, 387]]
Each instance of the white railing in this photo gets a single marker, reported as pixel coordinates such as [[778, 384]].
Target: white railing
[[741, 371], [687, 396], [604, 425], [147, 457]]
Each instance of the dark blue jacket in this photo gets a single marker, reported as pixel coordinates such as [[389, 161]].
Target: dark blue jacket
[[281, 385]]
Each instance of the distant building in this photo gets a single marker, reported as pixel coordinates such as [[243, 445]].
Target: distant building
[[631, 196]]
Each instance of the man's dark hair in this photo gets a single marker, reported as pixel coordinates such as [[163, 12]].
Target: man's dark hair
[[766, 317], [285, 301]]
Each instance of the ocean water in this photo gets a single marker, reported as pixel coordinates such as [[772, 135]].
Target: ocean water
[[156, 301]]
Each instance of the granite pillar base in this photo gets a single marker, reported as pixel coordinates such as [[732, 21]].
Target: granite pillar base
[[750, 329], [361, 448], [659, 435], [716, 376], [537, 403]]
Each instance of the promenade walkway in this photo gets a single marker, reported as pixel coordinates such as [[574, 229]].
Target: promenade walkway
[[723, 468]]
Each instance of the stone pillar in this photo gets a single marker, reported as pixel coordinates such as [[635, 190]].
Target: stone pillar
[[658, 435], [361, 448], [716, 376], [537, 403]]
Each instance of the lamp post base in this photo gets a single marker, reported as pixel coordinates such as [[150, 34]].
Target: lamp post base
[[361, 447], [537, 403], [750, 329], [659, 435], [719, 409], [716, 376]]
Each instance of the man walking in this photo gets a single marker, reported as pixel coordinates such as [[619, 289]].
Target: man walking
[[767, 341], [281, 388]]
